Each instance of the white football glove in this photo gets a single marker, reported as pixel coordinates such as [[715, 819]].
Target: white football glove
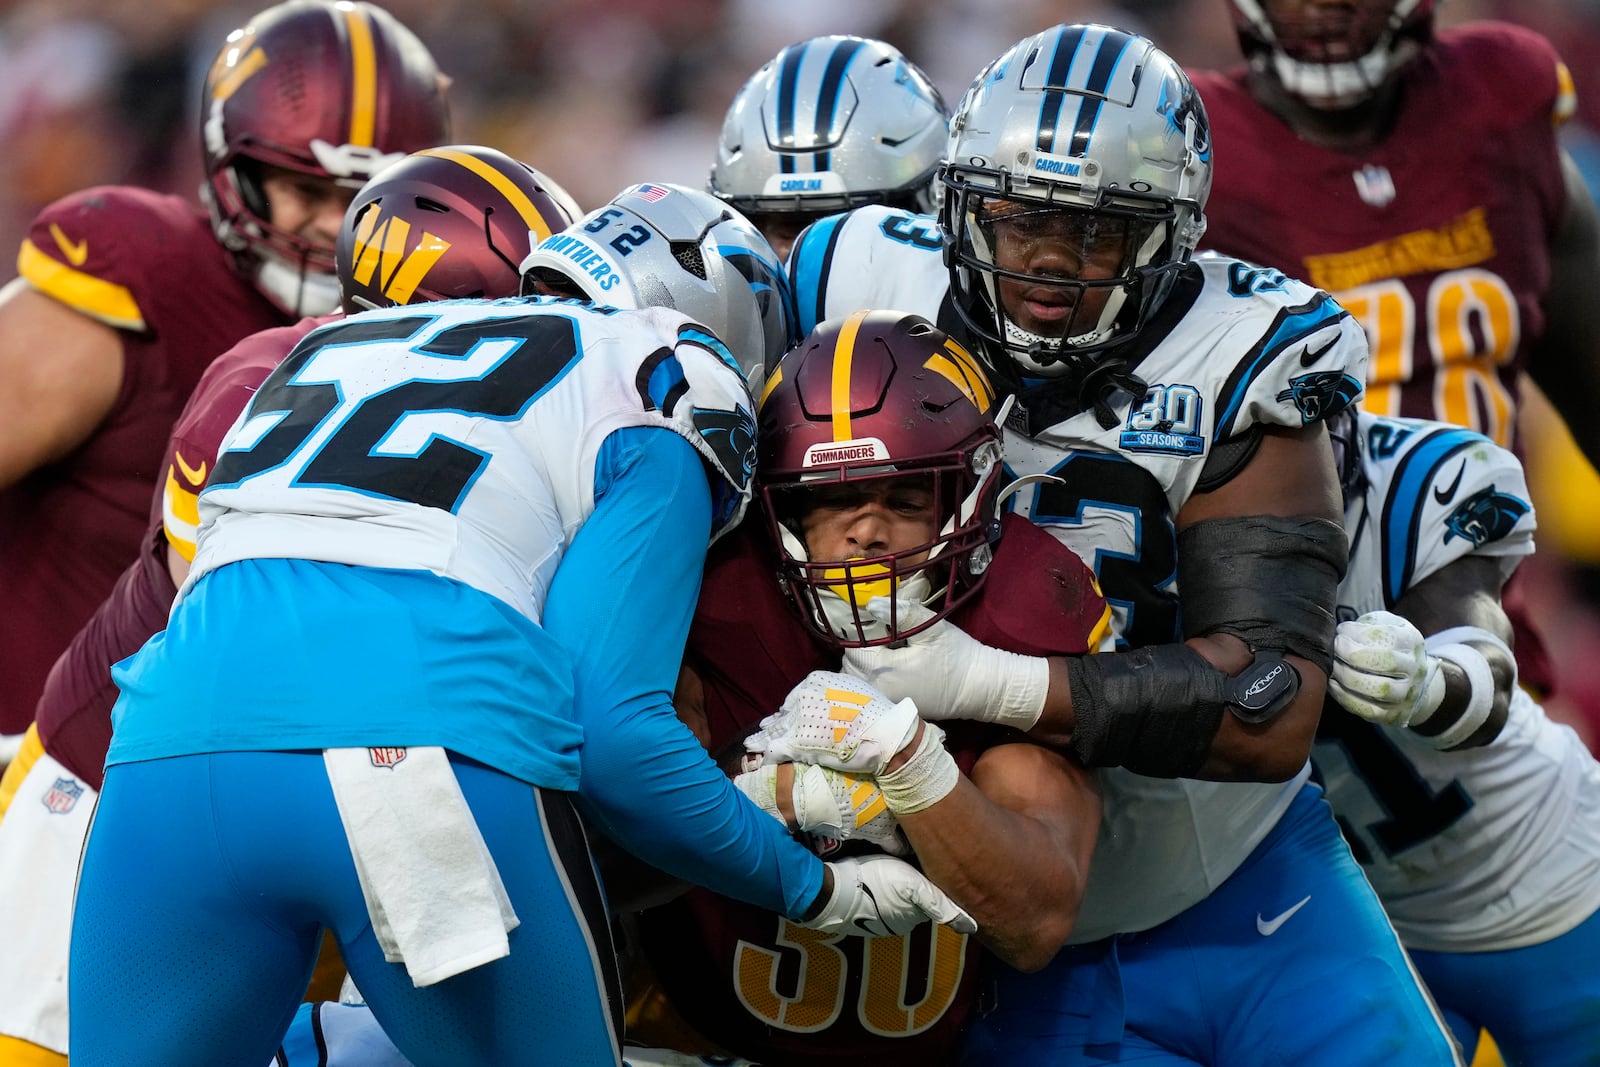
[[1383, 673], [837, 721], [951, 675], [879, 896], [829, 803]]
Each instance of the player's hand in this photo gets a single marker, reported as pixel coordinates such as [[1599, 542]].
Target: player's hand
[[837, 721], [827, 802], [879, 896], [950, 674], [1383, 673]]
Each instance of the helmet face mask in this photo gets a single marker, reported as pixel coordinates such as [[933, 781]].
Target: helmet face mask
[[879, 411], [827, 125], [1332, 57], [1079, 165], [446, 223], [674, 247], [335, 92]]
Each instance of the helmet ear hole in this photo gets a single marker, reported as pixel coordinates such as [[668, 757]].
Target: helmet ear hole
[[247, 176]]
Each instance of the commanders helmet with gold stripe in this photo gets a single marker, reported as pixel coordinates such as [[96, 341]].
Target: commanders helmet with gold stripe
[[874, 396]]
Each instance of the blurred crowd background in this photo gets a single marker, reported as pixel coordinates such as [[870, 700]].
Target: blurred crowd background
[[600, 95]]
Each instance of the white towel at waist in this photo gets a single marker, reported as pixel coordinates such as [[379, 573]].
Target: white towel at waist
[[432, 890]]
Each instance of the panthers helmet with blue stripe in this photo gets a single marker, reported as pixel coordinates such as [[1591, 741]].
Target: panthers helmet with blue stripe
[[829, 124], [1075, 183], [1331, 56], [674, 247]]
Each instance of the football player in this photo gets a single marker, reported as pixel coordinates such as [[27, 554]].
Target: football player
[[125, 296], [1366, 154], [454, 221], [1476, 818], [827, 125], [1171, 411], [879, 467], [445, 566]]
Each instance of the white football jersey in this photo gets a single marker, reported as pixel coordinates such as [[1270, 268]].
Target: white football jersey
[[1480, 849], [464, 435], [1254, 347]]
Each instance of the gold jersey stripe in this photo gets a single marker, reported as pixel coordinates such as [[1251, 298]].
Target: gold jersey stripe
[[843, 356], [537, 224], [1566, 96], [363, 77], [32, 748], [112, 304], [180, 515]]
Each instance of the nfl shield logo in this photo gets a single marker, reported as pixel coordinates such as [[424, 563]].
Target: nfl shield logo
[[1375, 185], [386, 757], [63, 796]]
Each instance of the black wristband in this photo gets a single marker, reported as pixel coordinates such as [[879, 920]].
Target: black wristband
[[1153, 710]]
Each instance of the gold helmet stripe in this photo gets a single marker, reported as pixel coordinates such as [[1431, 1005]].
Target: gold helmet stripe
[[363, 76], [538, 225], [843, 356], [228, 83], [772, 383]]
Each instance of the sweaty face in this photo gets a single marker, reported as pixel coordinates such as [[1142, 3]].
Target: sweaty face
[[1046, 254], [864, 520], [309, 207]]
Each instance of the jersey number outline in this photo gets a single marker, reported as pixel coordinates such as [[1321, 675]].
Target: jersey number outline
[[1474, 329], [439, 474], [1140, 581], [1417, 811], [824, 971]]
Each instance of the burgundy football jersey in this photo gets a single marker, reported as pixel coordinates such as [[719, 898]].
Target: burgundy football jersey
[[74, 712], [759, 985], [1436, 239], [148, 265]]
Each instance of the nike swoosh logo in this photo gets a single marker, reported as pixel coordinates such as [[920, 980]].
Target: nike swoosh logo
[[1445, 496], [1309, 357], [76, 253], [195, 476], [1268, 927]]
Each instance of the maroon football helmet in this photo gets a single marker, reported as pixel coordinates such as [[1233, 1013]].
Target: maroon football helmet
[[1332, 56], [446, 223], [333, 90], [875, 396]]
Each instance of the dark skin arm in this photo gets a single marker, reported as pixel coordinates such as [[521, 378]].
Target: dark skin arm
[[1466, 593], [1565, 361], [1291, 475]]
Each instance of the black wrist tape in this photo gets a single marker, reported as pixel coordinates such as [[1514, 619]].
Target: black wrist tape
[[1271, 582], [1153, 710]]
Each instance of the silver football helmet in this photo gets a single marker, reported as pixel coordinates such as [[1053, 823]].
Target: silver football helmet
[[1332, 57], [674, 247], [1078, 168], [829, 124]]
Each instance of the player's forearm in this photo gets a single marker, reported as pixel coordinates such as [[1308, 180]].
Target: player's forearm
[[1019, 874], [1161, 711]]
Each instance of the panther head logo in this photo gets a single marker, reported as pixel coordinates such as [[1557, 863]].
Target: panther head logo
[[1321, 393], [1484, 516]]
